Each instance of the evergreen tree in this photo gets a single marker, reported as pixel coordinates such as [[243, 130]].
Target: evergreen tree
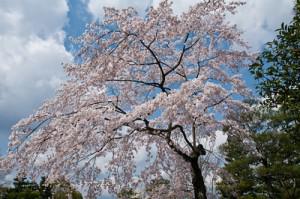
[[238, 177], [278, 71], [26, 189], [267, 164], [62, 189], [128, 193], [45, 190], [264, 165], [23, 189]]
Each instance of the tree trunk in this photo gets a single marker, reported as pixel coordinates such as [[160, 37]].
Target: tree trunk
[[197, 180]]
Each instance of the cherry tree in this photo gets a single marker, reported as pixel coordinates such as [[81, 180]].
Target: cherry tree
[[158, 83]]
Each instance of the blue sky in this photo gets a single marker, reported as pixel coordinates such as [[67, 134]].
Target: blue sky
[[34, 43]]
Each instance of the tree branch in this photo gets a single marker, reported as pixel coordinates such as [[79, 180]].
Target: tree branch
[[217, 103]]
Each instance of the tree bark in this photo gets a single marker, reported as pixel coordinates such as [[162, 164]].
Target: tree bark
[[198, 181]]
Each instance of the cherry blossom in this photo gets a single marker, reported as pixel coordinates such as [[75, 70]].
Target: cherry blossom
[[161, 83]]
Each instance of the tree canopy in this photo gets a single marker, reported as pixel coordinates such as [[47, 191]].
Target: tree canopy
[[158, 83]]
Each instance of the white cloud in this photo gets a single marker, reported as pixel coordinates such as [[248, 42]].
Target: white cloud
[[31, 52], [258, 19], [27, 17], [30, 72]]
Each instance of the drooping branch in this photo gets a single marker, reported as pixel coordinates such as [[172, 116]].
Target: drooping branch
[[217, 103], [184, 135], [172, 145], [117, 45], [108, 141], [154, 84], [166, 134]]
